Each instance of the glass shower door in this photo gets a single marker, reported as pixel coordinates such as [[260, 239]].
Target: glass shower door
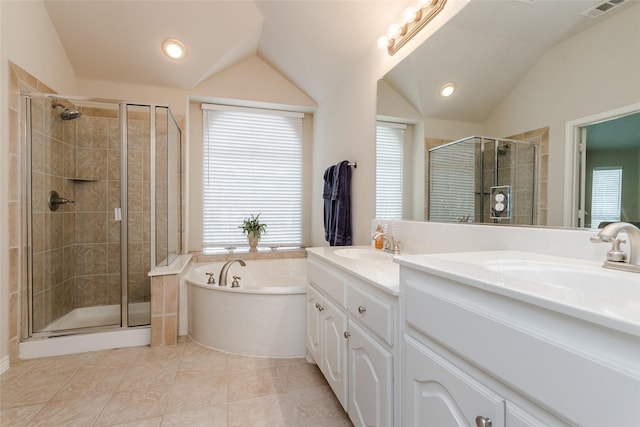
[[138, 207], [73, 192]]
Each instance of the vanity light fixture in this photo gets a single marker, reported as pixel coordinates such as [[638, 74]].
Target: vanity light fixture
[[413, 20], [174, 49], [447, 90]]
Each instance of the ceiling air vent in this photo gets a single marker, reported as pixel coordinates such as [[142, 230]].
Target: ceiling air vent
[[602, 8]]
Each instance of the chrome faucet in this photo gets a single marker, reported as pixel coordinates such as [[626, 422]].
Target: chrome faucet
[[389, 243], [616, 258], [225, 268]]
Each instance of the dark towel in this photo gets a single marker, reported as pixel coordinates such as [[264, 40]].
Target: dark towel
[[338, 210], [326, 195]]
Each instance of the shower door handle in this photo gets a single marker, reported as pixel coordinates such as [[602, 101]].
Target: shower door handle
[[118, 214]]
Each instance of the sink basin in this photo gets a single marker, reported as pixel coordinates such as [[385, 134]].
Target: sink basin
[[590, 287], [363, 254], [584, 279]]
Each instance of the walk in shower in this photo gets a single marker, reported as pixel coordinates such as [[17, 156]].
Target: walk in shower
[[483, 180], [102, 207]]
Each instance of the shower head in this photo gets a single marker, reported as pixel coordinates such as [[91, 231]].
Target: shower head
[[503, 149], [66, 113]]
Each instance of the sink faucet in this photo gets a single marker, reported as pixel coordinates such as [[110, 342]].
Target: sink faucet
[[225, 268], [615, 257], [390, 243]]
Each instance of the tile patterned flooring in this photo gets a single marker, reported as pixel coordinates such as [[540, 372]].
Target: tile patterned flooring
[[182, 385]]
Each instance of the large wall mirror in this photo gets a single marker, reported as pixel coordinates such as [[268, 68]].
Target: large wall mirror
[[525, 71]]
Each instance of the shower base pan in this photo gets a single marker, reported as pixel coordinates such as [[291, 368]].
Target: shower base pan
[[104, 315]]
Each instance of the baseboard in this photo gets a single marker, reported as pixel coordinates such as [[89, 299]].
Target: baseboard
[[58, 346], [4, 364]]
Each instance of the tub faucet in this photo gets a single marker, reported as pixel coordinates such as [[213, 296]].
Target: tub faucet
[[615, 257], [225, 268]]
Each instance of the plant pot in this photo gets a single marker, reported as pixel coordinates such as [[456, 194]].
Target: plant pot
[[253, 242]]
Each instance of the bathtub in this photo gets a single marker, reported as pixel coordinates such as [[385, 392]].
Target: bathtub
[[265, 316]]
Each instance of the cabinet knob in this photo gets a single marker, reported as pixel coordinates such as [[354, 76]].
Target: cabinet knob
[[483, 421], [317, 306], [320, 307], [362, 309], [347, 335]]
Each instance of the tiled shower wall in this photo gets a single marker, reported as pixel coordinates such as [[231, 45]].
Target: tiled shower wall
[[53, 160]]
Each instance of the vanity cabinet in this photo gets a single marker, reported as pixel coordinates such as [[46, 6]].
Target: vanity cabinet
[[471, 355], [352, 336], [370, 380], [326, 341], [438, 393]]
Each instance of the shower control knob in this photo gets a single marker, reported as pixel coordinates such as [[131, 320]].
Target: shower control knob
[[362, 309]]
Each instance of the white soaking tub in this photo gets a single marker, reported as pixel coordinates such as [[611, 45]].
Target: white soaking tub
[[264, 316]]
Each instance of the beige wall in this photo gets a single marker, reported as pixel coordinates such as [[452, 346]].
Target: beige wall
[[39, 52]]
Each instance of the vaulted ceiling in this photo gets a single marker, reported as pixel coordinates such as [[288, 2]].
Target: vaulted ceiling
[[490, 44], [309, 42]]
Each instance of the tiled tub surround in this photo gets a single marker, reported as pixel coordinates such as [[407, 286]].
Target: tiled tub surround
[[181, 385]]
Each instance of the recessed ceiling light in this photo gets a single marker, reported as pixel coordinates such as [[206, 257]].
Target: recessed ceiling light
[[174, 49], [447, 90]]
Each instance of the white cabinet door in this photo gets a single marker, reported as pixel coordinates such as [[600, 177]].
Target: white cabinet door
[[334, 349], [370, 380], [313, 323], [438, 394]]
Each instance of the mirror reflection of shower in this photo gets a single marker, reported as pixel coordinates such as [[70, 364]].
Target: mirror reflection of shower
[[67, 114], [463, 176]]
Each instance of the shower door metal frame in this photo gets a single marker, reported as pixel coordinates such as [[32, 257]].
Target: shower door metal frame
[[27, 331]]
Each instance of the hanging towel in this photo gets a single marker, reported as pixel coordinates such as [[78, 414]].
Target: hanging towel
[[326, 195], [338, 219]]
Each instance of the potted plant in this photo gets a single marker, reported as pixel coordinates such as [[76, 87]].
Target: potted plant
[[254, 229]]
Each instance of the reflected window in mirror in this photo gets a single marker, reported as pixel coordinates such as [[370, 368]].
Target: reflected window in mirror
[[606, 195], [390, 145]]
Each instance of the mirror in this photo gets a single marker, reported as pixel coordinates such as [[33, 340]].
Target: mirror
[[522, 69]]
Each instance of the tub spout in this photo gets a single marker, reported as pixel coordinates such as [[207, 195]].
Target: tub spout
[[225, 269]]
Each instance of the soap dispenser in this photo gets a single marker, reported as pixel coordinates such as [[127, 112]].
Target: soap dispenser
[[379, 239]]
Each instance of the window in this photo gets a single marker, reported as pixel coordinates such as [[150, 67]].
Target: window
[[606, 195], [389, 170], [252, 164]]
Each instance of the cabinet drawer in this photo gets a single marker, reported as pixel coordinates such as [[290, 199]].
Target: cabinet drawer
[[373, 312], [323, 278]]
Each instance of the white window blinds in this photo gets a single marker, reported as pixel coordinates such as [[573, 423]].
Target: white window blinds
[[252, 164], [389, 169], [606, 195]]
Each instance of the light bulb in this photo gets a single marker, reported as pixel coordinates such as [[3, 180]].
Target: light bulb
[[174, 49], [383, 42], [409, 15], [395, 30], [447, 90]]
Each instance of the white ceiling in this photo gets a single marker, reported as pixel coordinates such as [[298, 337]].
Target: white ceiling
[[310, 42]]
